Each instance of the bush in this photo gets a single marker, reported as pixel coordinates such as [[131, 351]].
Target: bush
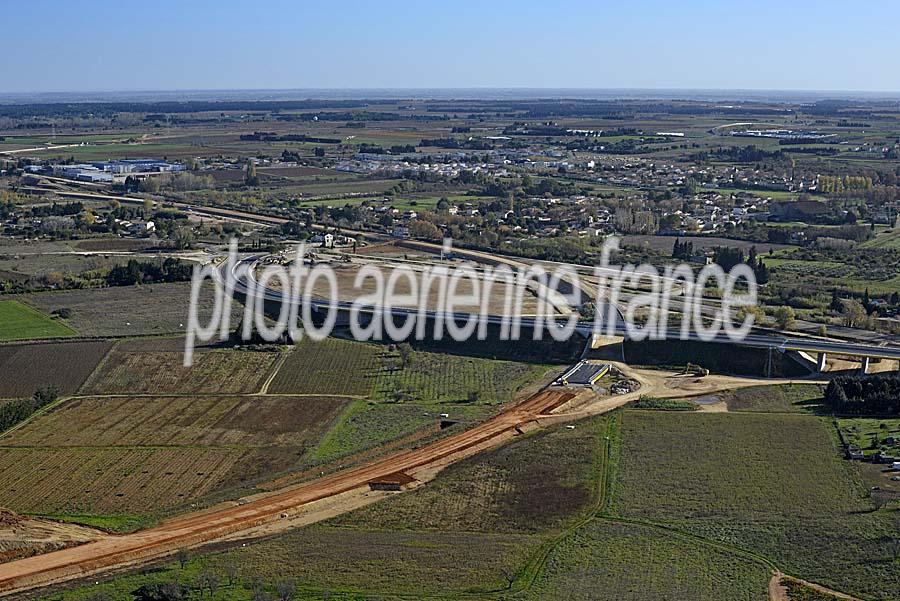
[[14, 412], [63, 313], [864, 395]]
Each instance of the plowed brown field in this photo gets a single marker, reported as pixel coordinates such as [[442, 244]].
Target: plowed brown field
[[197, 529]]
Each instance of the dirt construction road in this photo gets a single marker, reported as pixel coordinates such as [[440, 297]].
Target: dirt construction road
[[282, 509], [195, 529]]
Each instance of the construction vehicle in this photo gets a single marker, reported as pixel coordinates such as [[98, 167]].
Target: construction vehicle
[[695, 370]]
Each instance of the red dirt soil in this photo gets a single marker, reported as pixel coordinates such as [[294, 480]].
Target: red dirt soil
[[210, 526]]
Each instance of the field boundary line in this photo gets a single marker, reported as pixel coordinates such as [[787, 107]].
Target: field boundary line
[[89, 381], [528, 576], [750, 555], [276, 367], [35, 415]]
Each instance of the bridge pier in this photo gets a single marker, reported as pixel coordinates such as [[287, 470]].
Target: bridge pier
[[821, 358], [864, 367]]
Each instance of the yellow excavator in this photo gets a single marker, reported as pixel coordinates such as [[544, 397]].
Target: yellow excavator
[[695, 370]]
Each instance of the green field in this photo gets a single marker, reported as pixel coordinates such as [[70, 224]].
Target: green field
[[379, 372], [21, 322], [366, 426], [773, 484], [627, 562], [869, 434], [773, 399]]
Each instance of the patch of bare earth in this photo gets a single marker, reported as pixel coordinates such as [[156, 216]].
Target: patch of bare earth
[[22, 536]]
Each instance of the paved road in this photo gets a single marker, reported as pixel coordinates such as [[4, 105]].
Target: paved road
[[755, 340]]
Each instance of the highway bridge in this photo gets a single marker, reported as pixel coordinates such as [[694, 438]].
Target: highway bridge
[[242, 270]]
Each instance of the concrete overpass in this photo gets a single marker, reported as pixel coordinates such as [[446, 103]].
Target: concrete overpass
[[782, 344]]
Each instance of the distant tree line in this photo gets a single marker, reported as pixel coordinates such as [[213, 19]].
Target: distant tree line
[[267, 136], [739, 154], [454, 143], [395, 149], [148, 272], [56, 209], [864, 395]]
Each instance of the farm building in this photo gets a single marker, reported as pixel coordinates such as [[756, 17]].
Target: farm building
[[583, 374]]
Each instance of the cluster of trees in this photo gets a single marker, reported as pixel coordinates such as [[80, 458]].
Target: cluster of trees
[[836, 184], [728, 257], [864, 395], [395, 149], [527, 186], [566, 249], [13, 412], [454, 143], [419, 228], [66, 209], [210, 580], [8, 201], [148, 272], [739, 154], [250, 176], [683, 250], [268, 136]]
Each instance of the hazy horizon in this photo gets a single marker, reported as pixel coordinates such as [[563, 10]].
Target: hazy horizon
[[579, 44], [447, 93]]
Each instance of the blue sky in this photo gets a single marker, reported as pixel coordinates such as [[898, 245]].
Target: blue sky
[[196, 44]]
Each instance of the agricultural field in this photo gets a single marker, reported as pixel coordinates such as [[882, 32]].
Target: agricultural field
[[514, 522], [111, 480], [116, 150], [439, 377], [889, 239], [21, 322], [238, 421], [366, 426], [52, 260], [379, 372], [140, 367], [65, 365], [790, 398], [631, 562], [129, 310], [98, 457], [331, 366], [826, 275], [775, 484], [113, 244], [521, 487], [454, 542], [321, 562]]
